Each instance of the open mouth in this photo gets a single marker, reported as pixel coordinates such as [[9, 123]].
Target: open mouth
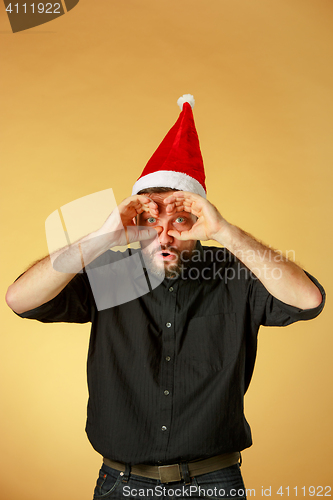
[[165, 255]]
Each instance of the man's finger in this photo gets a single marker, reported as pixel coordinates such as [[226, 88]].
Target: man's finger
[[137, 234], [138, 204], [182, 196], [183, 236], [151, 207]]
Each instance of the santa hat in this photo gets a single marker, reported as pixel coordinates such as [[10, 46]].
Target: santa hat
[[177, 162]]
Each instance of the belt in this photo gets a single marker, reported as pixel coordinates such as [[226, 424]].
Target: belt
[[174, 472]]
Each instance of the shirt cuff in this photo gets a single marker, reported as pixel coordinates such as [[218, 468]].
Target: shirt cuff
[[304, 314]]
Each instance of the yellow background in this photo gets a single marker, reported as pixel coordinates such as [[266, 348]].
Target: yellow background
[[85, 100]]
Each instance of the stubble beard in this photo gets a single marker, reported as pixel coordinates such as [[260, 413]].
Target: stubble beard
[[170, 269]]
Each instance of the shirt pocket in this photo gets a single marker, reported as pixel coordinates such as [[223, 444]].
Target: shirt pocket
[[209, 343]]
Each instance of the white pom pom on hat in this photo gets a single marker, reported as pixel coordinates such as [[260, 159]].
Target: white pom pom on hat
[[186, 98], [177, 162]]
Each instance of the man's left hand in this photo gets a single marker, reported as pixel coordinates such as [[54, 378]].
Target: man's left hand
[[209, 225], [282, 278]]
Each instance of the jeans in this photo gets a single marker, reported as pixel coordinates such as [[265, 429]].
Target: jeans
[[225, 483]]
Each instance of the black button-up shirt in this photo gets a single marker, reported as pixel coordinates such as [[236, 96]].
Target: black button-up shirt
[[167, 371]]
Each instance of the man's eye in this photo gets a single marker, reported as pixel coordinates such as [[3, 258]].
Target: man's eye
[[151, 220], [179, 220]]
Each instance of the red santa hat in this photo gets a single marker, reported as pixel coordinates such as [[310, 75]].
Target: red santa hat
[[177, 162]]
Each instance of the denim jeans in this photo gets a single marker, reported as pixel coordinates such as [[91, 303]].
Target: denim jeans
[[222, 484]]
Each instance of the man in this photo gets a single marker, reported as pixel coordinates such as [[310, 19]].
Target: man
[[168, 370]]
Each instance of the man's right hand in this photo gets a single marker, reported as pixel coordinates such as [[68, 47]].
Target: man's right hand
[[121, 227], [45, 279]]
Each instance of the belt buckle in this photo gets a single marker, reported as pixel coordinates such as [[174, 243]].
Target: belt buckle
[[169, 473]]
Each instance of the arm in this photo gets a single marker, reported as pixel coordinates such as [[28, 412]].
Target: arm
[[282, 278], [45, 279]]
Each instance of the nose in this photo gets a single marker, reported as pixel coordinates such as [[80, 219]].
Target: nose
[[163, 237]]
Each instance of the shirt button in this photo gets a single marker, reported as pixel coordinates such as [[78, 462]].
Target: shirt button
[[168, 325], [166, 393], [167, 358], [171, 289], [163, 428]]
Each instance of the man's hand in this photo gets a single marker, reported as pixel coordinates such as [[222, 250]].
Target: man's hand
[[135, 205], [209, 225], [45, 280], [121, 227], [282, 278]]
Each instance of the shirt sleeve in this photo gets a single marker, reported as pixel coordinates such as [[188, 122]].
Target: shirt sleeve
[[269, 311], [74, 304]]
